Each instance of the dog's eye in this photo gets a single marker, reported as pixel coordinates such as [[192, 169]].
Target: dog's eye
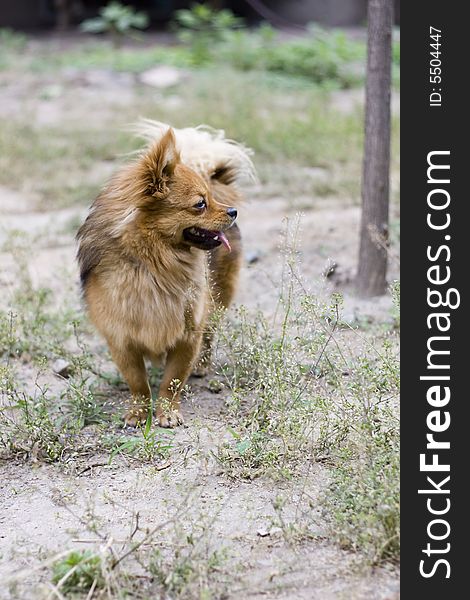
[[201, 204]]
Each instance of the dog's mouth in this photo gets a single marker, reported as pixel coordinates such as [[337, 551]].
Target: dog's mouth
[[205, 239]]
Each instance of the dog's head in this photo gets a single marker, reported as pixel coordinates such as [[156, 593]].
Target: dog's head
[[176, 202]]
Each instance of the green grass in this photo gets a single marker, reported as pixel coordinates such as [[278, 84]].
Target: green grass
[[297, 398], [11, 44], [102, 55], [326, 58], [78, 572], [306, 387], [192, 571], [44, 161], [184, 566]]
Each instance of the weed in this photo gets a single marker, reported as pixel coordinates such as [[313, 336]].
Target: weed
[[299, 395], [118, 20], [103, 55], [35, 422], [11, 43], [78, 572], [12, 40], [29, 327], [270, 368], [364, 496], [328, 58], [321, 56], [101, 570], [153, 443], [192, 570], [36, 159], [272, 383], [27, 426], [202, 28], [80, 405]]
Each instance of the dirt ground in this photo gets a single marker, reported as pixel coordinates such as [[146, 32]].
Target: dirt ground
[[46, 510]]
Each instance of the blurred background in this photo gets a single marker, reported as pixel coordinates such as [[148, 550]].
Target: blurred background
[[34, 14], [284, 78]]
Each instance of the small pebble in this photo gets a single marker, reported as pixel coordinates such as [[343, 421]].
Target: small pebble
[[252, 257], [62, 367]]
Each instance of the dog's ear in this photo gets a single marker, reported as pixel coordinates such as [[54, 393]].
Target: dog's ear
[[225, 174], [158, 165]]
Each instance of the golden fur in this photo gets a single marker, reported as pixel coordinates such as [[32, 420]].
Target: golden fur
[[154, 258]]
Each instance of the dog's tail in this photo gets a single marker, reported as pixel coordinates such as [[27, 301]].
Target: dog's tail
[[206, 150]]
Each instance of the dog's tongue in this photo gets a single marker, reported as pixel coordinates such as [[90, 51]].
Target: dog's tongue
[[223, 238]]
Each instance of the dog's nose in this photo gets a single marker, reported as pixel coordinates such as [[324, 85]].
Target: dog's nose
[[232, 213]]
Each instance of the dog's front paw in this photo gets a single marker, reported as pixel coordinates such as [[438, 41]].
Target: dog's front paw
[[170, 419], [135, 417]]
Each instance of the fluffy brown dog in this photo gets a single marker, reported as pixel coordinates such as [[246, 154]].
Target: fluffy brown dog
[[157, 252]]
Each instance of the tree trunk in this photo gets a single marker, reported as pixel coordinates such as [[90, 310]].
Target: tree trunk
[[63, 14], [371, 275]]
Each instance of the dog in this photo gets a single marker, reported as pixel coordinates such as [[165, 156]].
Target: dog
[[158, 252]]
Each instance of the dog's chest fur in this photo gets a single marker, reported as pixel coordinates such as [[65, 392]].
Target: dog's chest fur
[[150, 307]]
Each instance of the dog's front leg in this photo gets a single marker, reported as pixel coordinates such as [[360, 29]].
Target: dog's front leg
[[179, 362], [132, 366]]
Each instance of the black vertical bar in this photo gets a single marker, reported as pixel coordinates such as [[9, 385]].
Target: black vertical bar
[[428, 127]]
